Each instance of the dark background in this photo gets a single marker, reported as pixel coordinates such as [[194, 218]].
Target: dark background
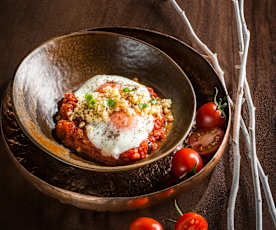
[[26, 24]]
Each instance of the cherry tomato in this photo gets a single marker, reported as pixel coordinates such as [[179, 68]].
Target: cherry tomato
[[152, 93], [209, 116], [206, 141], [191, 221], [145, 223], [110, 84], [185, 160]]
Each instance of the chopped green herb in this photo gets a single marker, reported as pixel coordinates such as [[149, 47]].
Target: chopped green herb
[[111, 102], [142, 106], [153, 101], [90, 100], [128, 90], [91, 104], [88, 97]]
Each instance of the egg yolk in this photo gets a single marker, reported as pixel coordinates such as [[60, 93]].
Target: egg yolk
[[121, 120], [110, 84]]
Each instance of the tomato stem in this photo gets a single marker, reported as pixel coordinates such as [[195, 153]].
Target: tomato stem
[[171, 220], [177, 208], [192, 172], [215, 97], [219, 104], [193, 169]]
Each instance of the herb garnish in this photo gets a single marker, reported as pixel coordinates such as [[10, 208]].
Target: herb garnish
[[90, 100], [128, 90], [142, 106], [153, 101], [111, 102]]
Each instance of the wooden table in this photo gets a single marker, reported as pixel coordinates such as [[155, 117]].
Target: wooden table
[[26, 24]]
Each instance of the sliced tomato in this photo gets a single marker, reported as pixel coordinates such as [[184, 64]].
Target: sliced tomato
[[206, 141], [191, 221], [110, 84]]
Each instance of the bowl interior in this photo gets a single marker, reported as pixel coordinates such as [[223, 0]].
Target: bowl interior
[[63, 64]]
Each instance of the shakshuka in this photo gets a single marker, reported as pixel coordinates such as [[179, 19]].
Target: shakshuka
[[113, 120]]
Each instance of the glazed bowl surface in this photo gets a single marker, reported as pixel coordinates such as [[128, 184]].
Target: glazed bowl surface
[[41, 169], [64, 63]]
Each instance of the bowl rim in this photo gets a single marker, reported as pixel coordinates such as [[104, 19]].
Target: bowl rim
[[62, 194], [86, 165], [216, 157]]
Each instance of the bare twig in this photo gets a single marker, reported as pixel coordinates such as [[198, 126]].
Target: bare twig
[[211, 56], [239, 27], [268, 194], [263, 177], [244, 35], [254, 161], [251, 145], [236, 136]]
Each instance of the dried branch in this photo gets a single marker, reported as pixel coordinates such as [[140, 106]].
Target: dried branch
[[244, 35], [254, 161], [236, 136], [211, 56], [242, 32], [237, 116], [263, 177], [267, 192], [251, 145], [239, 27]]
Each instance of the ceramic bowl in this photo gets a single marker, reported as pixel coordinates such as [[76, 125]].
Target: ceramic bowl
[[35, 165], [64, 63]]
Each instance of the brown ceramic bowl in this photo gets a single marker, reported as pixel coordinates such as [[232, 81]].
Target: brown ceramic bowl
[[203, 78], [64, 63]]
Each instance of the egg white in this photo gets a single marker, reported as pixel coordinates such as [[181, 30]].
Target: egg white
[[104, 135], [95, 82]]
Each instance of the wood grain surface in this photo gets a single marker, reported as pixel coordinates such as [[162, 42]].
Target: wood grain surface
[[26, 24]]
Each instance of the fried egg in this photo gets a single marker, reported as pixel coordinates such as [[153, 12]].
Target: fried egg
[[121, 132]]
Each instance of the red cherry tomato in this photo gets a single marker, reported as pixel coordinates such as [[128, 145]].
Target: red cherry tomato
[[184, 161], [152, 93], [191, 221], [206, 141], [110, 84], [209, 116], [145, 223]]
